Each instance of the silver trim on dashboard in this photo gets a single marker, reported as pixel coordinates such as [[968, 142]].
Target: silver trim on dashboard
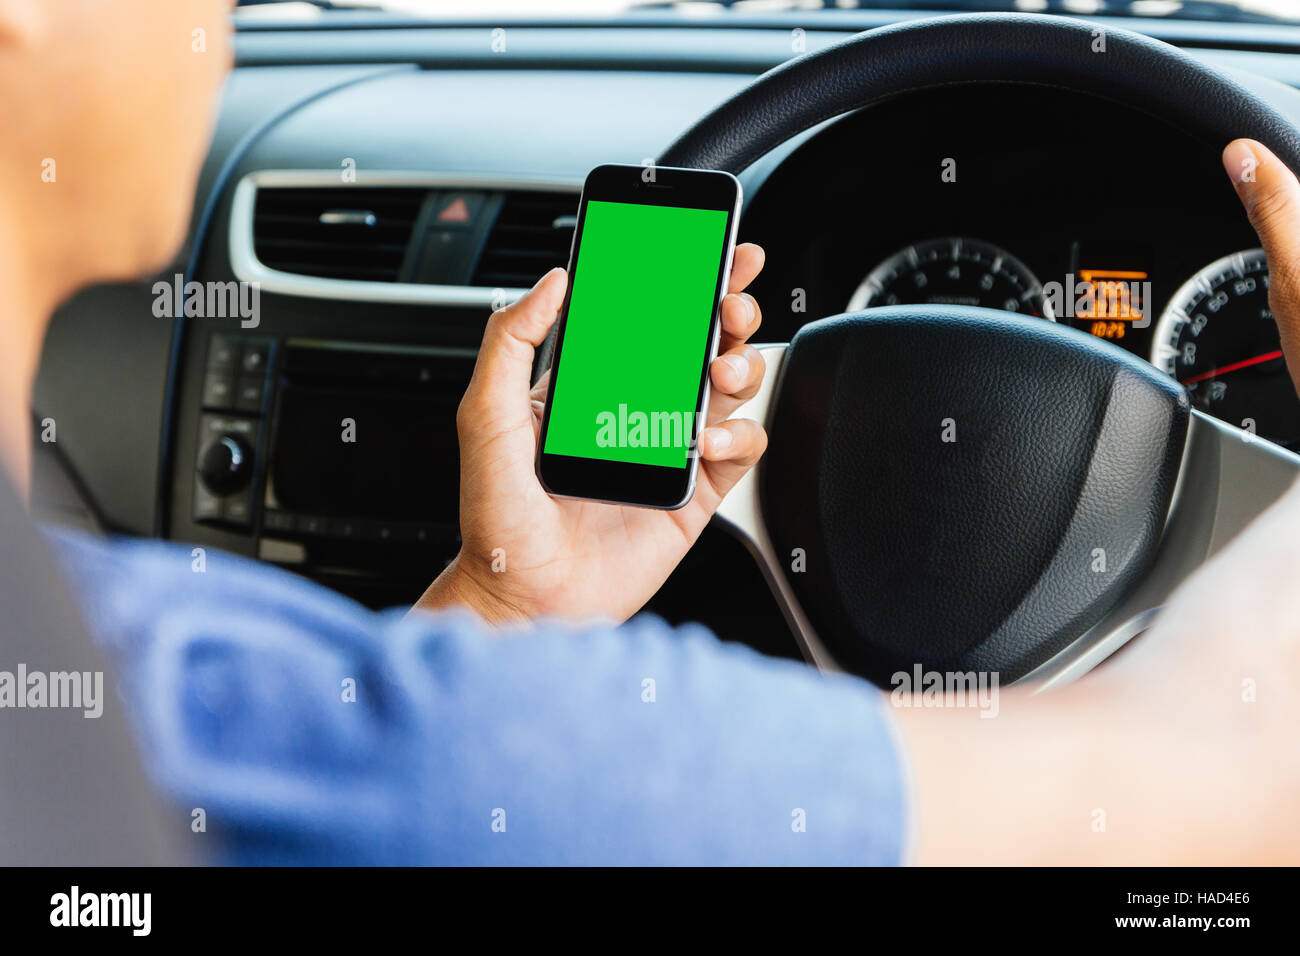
[[248, 268], [1228, 477]]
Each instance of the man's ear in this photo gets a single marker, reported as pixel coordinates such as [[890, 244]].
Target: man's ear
[[24, 22]]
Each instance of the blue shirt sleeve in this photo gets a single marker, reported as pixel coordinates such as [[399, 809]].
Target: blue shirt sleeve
[[313, 731]]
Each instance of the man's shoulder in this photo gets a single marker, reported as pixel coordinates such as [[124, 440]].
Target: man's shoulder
[[282, 707], [135, 581]]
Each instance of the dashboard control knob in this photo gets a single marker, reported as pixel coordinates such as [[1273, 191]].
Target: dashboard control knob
[[226, 465]]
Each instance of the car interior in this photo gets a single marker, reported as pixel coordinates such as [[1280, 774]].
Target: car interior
[[381, 180]]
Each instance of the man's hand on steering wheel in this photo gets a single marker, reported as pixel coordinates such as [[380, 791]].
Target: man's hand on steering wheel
[[1271, 195]]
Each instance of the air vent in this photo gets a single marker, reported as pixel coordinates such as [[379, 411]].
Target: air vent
[[336, 233], [532, 234]]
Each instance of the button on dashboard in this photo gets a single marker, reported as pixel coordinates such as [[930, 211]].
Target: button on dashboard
[[218, 390]]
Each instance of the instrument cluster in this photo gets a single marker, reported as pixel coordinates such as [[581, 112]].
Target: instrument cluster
[[1215, 334]]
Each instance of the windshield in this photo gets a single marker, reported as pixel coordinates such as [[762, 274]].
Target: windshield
[[1259, 11]]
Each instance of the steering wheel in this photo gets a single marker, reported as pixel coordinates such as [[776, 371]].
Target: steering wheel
[[961, 489]]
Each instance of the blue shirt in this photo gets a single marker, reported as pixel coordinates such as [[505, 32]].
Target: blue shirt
[[311, 730]]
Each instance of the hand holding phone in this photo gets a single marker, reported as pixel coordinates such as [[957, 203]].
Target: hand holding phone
[[637, 330], [525, 553]]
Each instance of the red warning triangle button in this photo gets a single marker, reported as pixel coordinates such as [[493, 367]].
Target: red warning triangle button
[[455, 211]]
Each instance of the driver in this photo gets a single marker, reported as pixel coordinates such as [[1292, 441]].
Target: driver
[[513, 717]]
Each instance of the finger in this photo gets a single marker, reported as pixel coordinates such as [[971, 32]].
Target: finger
[[503, 370], [1271, 195], [746, 264], [728, 450], [741, 318], [736, 376]]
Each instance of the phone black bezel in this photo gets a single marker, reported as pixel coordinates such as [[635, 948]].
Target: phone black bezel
[[649, 486]]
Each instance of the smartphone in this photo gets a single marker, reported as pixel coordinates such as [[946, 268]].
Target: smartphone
[[639, 325]]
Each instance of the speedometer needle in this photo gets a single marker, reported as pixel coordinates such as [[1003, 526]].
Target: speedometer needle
[[1224, 370]]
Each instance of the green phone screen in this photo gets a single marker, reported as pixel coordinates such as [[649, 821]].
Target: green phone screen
[[644, 288]]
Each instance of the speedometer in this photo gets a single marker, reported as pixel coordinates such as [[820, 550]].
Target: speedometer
[[1217, 336], [953, 271]]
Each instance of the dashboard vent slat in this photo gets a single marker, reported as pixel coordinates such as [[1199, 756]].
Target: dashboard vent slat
[[532, 233], [290, 236]]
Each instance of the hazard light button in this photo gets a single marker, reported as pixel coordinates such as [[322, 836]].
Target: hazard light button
[[457, 210]]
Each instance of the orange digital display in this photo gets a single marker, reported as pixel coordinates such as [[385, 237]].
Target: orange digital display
[[1108, 328], [1111, 297]]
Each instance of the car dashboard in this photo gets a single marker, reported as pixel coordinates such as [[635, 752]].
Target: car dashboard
[[385, 188]]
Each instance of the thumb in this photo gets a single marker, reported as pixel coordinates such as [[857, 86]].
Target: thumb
[[1271, 195], [504, 367]]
